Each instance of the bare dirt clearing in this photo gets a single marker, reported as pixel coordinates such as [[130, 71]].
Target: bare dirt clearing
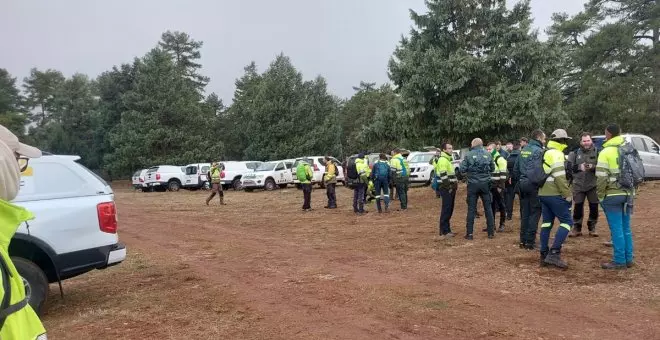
[[259, 268]]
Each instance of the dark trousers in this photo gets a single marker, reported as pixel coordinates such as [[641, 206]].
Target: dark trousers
[[307, 195], [530, 214], [509, 196], [358, 197], [475, 191], [578, 210], [382, 188], [498, 204], [559, 208], [448, 199], [402, 191], [332, 195]]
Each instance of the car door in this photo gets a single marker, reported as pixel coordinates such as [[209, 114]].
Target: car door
[[653, 154], [191, 177], [288, 173]]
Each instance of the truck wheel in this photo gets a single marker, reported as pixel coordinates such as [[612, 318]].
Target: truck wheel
[[35, 281], [430, 179], [236, 184], [270, 185], [206, 185], [173, 185]]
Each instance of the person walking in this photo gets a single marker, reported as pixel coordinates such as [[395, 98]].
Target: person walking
[[19, 320], [616, 199], [555, 196], [402, 171], [360, 188], [447, 185], [380, 174], [478, 166], [330, 180], [304, 174], [581, 165], [510, 187], [530, 206], [214, 175], [499, 178]]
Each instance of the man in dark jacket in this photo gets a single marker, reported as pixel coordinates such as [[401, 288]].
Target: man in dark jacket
[[581, 167], [478, 165], [510, 189], [530, 206]]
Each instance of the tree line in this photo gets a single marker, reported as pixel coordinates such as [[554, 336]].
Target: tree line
[[468, 68]]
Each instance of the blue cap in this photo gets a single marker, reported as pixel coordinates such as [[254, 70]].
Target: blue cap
[[361, 155]]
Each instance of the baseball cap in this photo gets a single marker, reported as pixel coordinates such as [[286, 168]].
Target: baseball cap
[[559, 134], [12, 142]]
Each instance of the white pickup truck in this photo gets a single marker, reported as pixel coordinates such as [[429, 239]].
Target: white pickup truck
[[75, 225], [269, 176]]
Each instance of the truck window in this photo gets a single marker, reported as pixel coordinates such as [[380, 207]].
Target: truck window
[[280, 166], [205, 169], [639, 144], [651, 146], [191, 170]]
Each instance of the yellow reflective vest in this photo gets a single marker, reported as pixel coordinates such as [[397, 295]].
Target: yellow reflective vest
[[215, 175], [554, 165], [22, 322], [607, 169], [444, 171]]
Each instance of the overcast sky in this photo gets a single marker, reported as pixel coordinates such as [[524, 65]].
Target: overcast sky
[[346, 41]]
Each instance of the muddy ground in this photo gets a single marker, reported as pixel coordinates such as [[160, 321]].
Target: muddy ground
[[259, 268]]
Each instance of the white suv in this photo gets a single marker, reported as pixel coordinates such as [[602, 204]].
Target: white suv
[[165, 177], [138, 180], [233, 172], [75, 225], [269, 176], [421, 170], [318, 165]]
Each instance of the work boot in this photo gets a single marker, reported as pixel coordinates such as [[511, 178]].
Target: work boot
[[630, 264], [501, 228], [529, 246], [542, 263], [613, 266], [593, 233], [222, 201], [491, 236], [208, 200], [469, 237], [575, 232], [607, 243], [554, 258]]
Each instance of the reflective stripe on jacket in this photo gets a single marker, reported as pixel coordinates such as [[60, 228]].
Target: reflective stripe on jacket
[[444, 171], [607, 169], [554, 165]]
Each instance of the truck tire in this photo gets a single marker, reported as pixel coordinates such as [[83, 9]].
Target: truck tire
[[173, 185], [36, 283], [236, 184], [270, 184], [430, 179]]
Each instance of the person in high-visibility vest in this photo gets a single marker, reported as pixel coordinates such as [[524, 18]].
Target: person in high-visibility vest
[[401, 174], [214, 175], [17, 318]]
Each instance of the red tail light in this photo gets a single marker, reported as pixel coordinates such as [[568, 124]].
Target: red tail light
[[141, 180], [157, 176], [316, 167], [107, 213], [222, 174]]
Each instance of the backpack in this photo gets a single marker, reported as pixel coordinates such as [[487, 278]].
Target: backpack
[[301, 172], [631, 168], [533, 175], [511, 161], [351, 169], [381, 170]]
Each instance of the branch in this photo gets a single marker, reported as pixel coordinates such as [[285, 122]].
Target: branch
[[643, 37]]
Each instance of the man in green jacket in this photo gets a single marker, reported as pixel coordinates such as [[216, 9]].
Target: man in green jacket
[[305, 174], [478, 166], [447, 185], [499, 178], [401, 173]]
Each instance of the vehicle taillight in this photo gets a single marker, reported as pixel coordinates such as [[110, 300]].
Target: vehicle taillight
[[107, 217], [141, 180], [222, 174], [316, 167], [157, 176]]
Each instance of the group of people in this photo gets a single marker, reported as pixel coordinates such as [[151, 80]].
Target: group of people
[[548, 184]]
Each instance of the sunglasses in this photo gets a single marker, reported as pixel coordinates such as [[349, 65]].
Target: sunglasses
[[22, 162]]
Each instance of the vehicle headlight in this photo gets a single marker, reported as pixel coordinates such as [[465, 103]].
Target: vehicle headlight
[[422, 169]]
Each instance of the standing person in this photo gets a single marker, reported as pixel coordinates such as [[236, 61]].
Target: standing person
[[304, 174], [530, 206], [380, 174], [402, 171], [501, 150], [616, 198], [330, 179], [523, 142], [19, 321], [448, 183], [214, 175], [510, 188], [499, 178], [360, 188], [478, 166], [581, 165], [555, 196], [509, 148], [434, 163]]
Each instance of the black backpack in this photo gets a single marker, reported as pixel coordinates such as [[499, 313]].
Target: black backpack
[[351, 169], [533, 175], [631, 167]]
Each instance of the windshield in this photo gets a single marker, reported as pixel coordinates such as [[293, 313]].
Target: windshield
[[425, 158], [265, 167]]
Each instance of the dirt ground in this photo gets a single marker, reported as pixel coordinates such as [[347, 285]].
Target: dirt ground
[[259, 268]]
